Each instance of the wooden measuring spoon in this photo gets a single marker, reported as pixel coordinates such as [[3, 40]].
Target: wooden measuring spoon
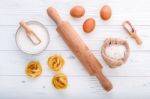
[[132, 32], [30, 34]]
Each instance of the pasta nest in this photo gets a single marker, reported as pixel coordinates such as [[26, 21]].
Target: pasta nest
[[56, 62], [60, 81], [33, 69]]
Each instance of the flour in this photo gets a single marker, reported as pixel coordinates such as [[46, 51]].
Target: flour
[[115, 51], [26, 45]]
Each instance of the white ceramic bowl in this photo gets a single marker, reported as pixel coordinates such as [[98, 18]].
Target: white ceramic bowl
[[25, 45]]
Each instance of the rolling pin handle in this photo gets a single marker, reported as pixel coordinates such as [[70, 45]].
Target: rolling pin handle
[[54, 15], [106, 84]]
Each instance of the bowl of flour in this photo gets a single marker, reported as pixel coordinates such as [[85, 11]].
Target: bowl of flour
[[115, 51], [25, 44]]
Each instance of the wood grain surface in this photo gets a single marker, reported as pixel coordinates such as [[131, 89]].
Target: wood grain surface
[[131, 80]]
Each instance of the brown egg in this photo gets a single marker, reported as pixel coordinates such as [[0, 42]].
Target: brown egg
[[89, 25], [77, 11], [105, 12]]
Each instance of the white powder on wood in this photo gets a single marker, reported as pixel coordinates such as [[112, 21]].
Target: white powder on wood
[[115, 51]]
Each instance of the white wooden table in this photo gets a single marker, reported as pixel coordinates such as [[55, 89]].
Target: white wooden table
[[131, 80]]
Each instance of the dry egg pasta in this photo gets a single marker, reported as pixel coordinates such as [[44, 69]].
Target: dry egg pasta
[[60, 81], [33, 69], [56, 62]]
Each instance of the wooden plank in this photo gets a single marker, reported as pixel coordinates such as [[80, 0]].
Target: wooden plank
[[131, 80], [93, 40], [135, 87], [14, 63], [14, 11]]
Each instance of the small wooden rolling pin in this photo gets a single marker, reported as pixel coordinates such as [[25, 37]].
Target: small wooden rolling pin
[[79, 48]]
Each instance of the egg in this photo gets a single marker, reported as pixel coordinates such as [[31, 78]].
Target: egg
[[106, 12], [77, 11], [89, 25]]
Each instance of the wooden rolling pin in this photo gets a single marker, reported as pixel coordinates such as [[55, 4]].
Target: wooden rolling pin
[[79, 48]]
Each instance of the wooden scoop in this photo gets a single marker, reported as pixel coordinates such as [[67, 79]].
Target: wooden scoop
[[30, 34], [79, 48], [132, 32]]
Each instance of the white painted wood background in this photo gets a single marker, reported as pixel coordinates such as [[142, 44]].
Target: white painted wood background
[[131, 80]]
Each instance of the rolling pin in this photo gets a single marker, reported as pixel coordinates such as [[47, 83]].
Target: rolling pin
[[79, 48]]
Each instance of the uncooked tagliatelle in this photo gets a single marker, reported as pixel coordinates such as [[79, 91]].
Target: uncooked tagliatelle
[[60, 81], [56, 62], [33, 69]]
